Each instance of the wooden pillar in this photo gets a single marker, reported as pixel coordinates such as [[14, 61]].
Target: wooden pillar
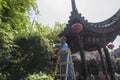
[[83, 64], [102, 60], [83, 61], [110, 68]]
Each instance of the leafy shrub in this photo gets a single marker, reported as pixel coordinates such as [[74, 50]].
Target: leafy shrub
[[118, 60], [39, 76], [35, 51]]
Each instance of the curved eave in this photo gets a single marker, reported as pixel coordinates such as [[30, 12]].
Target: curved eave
[[110, 25]]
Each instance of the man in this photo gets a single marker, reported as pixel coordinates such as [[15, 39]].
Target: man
[[102, 75], [63, 51]]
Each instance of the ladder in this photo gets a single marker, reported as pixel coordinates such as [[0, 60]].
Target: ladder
[[58, 74]]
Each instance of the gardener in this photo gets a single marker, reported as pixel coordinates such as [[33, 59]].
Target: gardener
[[63, 51]]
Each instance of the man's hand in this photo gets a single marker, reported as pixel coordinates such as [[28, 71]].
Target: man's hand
[[60, 52], [53, 46]]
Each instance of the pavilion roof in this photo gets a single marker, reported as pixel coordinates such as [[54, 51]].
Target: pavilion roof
[[104, 31]]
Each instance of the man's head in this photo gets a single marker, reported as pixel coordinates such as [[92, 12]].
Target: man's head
[[102, 75], [63, 40], [92, 77]]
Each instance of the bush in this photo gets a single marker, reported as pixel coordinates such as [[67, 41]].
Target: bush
[[35, 51], [39, 76]]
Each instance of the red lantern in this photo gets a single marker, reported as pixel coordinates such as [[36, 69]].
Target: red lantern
[[77, 27], [110, 46], [119, 33]]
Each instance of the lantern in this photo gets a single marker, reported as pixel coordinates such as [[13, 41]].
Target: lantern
[[77, 27], [110, 46], [119, 33]]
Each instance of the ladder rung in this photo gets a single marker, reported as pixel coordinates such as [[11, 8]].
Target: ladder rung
[[61, 75], [64, 63], [64, 75]]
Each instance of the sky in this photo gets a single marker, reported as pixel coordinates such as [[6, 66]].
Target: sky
[[52, 11]]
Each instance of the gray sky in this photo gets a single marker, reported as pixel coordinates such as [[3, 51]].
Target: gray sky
[[52, 11]]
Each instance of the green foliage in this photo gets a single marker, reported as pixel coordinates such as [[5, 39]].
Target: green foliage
[[24, 49], [2, 77], [29, 52], [118, 60], [118, 63], [39, 76], [8, 55], [14, 14], [35, 50], [13, 19], [58, 28]]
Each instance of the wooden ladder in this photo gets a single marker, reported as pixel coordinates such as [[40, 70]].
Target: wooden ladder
[[57, 74]]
